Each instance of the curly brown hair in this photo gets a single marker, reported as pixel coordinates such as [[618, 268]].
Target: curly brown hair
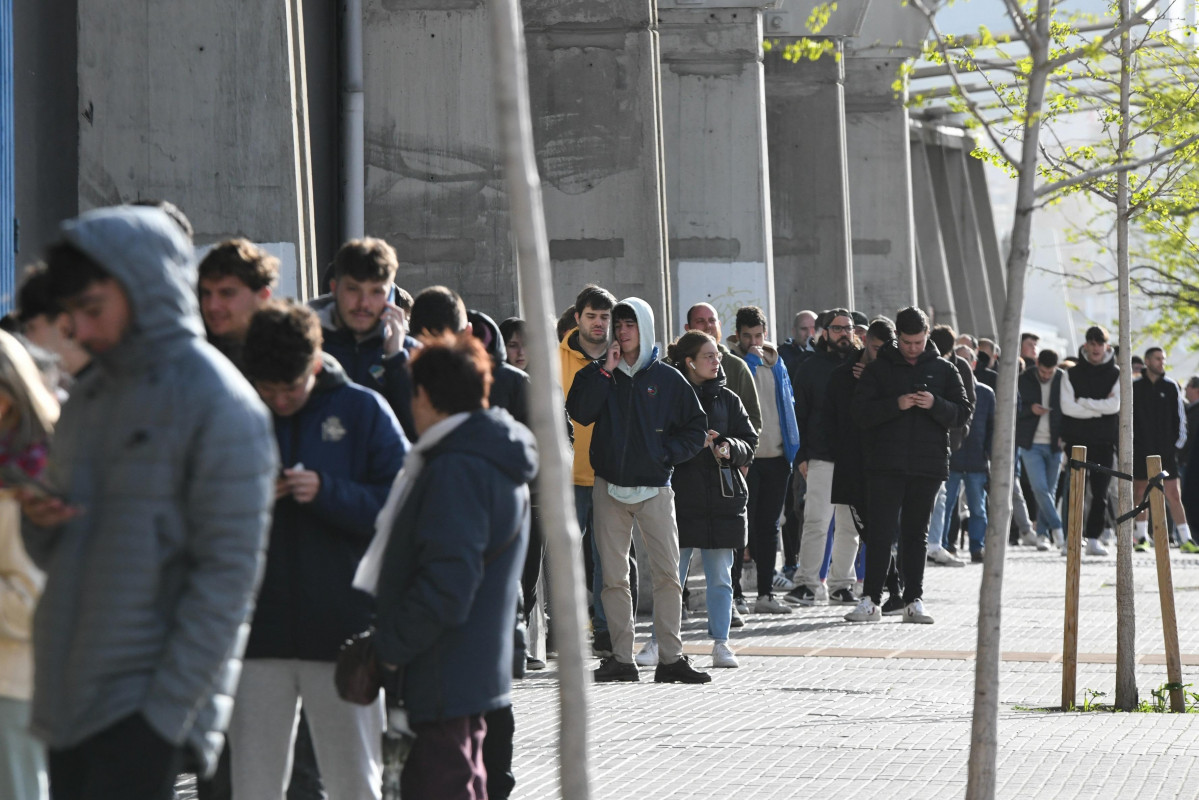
[[241, 259], [282, 343]]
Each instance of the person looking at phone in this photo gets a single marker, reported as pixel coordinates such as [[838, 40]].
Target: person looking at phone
[[1039, 439], [341, 448], [906, 401], [647, 419], [364, 327], [710, 493], [165, 458]]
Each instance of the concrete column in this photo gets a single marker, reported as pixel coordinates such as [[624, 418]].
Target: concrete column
[[880, 180], [434, 178], [594, 79], [934, 289], [714, 132], [202, 104], [972, 264], [809, 185], [993, 259]]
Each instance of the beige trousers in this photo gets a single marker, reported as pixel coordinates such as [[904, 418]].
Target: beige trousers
[[818, 511], [613, 525]]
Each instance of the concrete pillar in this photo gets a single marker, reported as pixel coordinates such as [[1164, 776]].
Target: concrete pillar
[[434, 177], [202, 104], [880, 180], [934, 288], [809, 185], [594, 80], [714, 131], [993, 259], [972, 263]]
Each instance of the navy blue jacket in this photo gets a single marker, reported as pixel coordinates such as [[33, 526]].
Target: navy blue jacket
[[644, 425], [366, 365], [450, 578], [975, 453], [307, 606]]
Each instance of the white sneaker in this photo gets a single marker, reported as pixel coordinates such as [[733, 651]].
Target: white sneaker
[[1108, 536], [1030, 539], [944, 558], [767, 604], [722, 657], [822, 594], [782, 583], [866, 611], [1042, 544], [648, 657], [1095, 548], [914, 612]]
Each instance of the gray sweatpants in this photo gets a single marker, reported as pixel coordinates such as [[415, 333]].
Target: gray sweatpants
[[347, 738]]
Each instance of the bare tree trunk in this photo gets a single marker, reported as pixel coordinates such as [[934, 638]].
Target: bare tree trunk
[[985, 725], [546, 407], [1126, 623]]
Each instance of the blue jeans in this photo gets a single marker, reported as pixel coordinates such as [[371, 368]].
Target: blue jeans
[[718, 574], [976, 501], [1043, 464]]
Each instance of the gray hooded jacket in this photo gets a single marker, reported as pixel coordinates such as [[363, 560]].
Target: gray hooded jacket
[[170, 454]]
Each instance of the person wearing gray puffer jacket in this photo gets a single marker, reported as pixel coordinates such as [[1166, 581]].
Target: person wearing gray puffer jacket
[[165, 460]]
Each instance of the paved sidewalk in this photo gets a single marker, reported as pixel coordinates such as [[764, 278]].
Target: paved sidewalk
[[825, 708]]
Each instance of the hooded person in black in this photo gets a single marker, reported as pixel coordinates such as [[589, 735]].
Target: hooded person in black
[[906, 401]]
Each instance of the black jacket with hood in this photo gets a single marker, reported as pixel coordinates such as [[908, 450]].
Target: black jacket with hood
[[916, 441], [1029, 388], [845, 437], [706, 518], [810, 382], [509, 384], [646, 423]]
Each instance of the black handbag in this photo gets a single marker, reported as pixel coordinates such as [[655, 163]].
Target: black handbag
[[357, 675]]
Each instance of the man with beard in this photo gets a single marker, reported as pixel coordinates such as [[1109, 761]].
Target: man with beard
[[1159, 427], [815, 463]]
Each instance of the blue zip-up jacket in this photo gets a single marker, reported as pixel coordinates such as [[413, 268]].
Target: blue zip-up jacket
[[366, 365], [644, 424], [451, 573], [975, 453], [307, 606]]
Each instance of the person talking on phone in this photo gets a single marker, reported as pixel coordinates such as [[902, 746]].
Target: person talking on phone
[[710, 492], [1039, 439], [906, 401], [365, 328]]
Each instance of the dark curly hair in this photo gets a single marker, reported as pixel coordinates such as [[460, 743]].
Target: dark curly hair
[[282, 343], [366, 259], [241, 259], [456, 378]]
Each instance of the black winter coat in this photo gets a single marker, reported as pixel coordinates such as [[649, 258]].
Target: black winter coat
[[1159, 418], [706, 518], [1029, 387], [915, 441], [809, 383], [845, 437]]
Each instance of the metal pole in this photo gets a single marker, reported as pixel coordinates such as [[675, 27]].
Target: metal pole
[[1165, 588], [510, 75], [353, 161], [1078, 490], [8, 199]]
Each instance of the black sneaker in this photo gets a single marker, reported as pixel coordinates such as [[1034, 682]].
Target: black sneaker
[[533, 664], [680, 671], [801, 596], [611, 670], [601, 644], [976, 556], [893, 607], [842, 597]]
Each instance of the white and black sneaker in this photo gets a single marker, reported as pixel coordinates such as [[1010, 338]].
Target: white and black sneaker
[[801, 596], [914, 612], [842, 597], [866, 611]]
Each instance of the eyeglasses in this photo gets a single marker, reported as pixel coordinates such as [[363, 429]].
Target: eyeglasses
[[840, 328], [711, 357]]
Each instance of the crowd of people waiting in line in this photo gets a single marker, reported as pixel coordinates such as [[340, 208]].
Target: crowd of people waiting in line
[[207, 491]]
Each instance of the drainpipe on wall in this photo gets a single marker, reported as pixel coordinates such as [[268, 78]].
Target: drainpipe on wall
[[8, 198], [353, 166]]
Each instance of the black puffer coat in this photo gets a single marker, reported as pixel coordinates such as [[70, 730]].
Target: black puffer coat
[[915, 441], [706, 518]]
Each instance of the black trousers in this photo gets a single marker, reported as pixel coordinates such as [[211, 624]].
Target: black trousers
[[768, 479], [900, 507], [127, 761], [1104, 454], [497, 753]]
